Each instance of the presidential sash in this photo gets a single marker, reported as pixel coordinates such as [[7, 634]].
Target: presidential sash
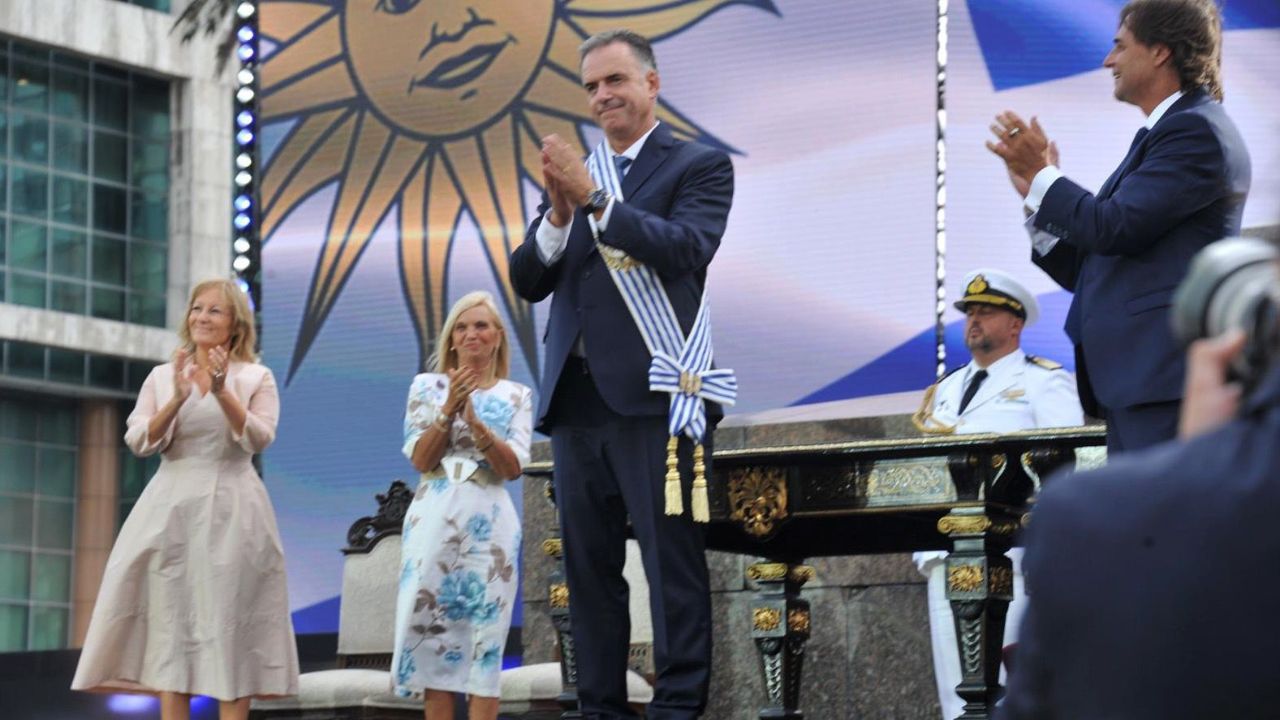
[[680, 365]]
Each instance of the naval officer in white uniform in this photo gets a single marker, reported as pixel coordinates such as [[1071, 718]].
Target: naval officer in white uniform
[[1002, 389]]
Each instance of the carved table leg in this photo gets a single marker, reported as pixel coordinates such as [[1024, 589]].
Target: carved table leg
[[979, 586], [780, 627], [558, 602]]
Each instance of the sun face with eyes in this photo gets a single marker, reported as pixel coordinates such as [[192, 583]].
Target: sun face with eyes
[[431, 70], [430, 113]]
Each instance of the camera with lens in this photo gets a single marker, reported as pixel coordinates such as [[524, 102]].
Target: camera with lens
[[1233, 284]]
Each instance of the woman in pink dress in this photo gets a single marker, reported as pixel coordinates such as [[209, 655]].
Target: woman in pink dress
[[193, 599]]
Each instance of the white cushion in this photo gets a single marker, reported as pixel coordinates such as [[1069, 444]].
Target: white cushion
[[331, 689], [367, 614], [542, 682]]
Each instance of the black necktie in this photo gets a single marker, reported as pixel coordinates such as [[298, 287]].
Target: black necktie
[[974, 383], [623, 163]]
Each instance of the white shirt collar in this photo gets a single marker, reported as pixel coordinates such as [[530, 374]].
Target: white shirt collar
[[634, 151], [1005, 363], [1161, 109]]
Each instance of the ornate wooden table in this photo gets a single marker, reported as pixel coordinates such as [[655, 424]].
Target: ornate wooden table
[[968, 494]]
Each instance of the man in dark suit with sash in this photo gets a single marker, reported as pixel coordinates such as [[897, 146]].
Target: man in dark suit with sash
[[1123, 250], [609, 430]]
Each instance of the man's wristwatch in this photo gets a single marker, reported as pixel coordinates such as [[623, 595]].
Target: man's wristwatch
[[598, 199]]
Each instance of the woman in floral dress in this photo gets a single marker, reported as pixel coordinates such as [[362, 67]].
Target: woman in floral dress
[[467, 430]]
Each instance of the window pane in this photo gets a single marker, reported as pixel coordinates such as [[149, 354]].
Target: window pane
[[70, 95], [150, 107], [106, 372], [70, 147], [151, 164], [147, 268], [58, 473], [4, 74], [147, 310], [26, 360], [109, 156], [4, 126], [26, 290], [70, 253], [15, 520], [31, 138], [70, 200], [31, 85], [110, 206], [107, 304], [52, 578], [30, 192], [18, 419], [58, 423], [48, 628], [29, 246], [67, 365], [150, 217], [108, 260], [15, 574], [138, 371], [3, 244], [55, 523], [110, 103], [13, 628], [17, 467]]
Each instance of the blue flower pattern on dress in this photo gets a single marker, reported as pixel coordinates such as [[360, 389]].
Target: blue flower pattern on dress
[[480, 527], [490, 658], [495, 412], [453, 657], [407, 666], [461, 595]]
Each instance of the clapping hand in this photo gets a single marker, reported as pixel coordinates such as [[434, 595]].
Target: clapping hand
[[181, 375], [462, 381], [217, 369], [563, 169], [1024, 148]]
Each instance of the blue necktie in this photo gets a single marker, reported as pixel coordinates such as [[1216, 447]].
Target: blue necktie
[[623, 163]]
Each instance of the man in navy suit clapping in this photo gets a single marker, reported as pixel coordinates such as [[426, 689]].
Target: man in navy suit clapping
[[1123, 250]]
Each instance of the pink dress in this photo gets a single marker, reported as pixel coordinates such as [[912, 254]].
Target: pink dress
[[193, 598]]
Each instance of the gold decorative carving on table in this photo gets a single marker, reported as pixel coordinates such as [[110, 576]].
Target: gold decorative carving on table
[[964, 578], [767, 571], [923, 479], [1001, 580], [559, 595], [997, 461], [553, 547], [972, 525], [764, 618], [801, 574], [798, 621], [758, 498]]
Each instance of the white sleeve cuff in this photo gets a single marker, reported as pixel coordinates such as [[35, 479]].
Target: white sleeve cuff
[[603, 222], [1042, 241], [1040, 185], [551, 240]]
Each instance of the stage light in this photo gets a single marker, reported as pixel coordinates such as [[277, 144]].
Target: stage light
[[241, 263], [245, 76], [244, 52], [244, 223], [242, 203], [243, 178], [244, 161], [132, 704], [245, 11], [245, 94], [241, 222], [245, 34], [244, 137], [244, 119], [241, 245]]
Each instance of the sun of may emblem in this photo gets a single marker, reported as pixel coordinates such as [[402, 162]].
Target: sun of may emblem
[[434, 108]]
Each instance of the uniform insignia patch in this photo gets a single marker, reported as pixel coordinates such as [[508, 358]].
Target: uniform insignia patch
[[1045, 363]]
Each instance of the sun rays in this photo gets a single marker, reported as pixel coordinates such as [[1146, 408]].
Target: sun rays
[[433, 109]]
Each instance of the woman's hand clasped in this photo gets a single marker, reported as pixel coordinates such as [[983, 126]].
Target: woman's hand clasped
[[217, 369], [462, 382]]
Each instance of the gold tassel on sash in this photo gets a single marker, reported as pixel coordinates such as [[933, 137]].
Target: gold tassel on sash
[[701, 508], [675, 498], [923, 418]]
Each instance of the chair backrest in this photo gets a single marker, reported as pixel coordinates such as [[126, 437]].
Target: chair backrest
[[366, 618]]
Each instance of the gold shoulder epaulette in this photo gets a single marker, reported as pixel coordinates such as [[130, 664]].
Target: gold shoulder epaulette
[[1045, 363]]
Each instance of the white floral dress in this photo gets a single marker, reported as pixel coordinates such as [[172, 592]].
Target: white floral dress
[[460, 542]]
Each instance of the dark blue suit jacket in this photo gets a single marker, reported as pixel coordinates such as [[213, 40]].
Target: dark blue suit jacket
[[1123, 251], [1153, 583], [677, 198]]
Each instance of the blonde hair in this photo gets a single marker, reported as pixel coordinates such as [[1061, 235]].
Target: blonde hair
[[445, 357], [244, 338]]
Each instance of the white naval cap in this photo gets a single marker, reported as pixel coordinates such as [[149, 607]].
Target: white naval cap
[[996, 287]]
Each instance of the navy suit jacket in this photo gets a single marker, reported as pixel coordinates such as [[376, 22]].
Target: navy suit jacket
[[1152, 582], [1124, 250], [677, 198]]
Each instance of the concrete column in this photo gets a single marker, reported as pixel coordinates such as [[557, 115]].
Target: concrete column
[[97, 505]]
